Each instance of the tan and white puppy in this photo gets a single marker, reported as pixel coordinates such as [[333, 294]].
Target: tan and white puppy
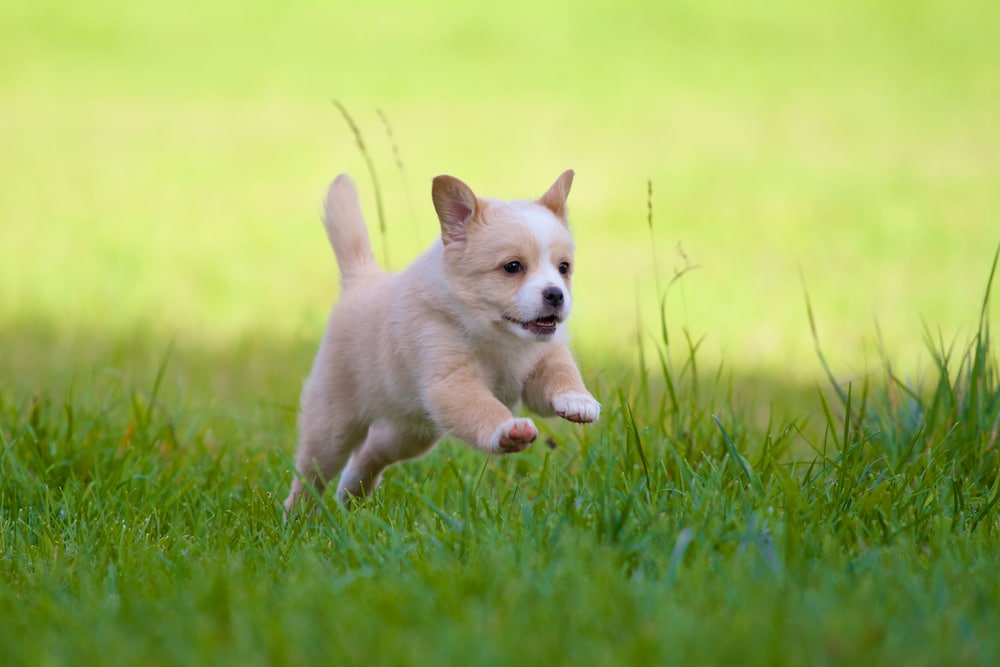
[[446, 347]]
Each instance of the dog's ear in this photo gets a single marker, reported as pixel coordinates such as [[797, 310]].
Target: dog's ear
[[456, 206], [555, 198]]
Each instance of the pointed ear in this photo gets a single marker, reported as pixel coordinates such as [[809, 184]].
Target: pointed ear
[[555, 198], [456, 205]]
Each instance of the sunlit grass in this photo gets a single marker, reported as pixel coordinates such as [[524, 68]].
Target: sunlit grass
[[164, 163], [164, 279], [137, 531]]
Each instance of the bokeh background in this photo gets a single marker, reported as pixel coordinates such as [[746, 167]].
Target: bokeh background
[[163, 162]]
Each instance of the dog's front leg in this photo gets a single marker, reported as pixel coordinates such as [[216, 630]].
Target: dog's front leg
[[463, 406], [555, 387]]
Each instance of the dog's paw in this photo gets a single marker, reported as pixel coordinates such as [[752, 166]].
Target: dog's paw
[[514, 435], [577, 407]]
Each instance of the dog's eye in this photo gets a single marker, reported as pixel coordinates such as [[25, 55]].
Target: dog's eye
[[513, 267], [564, 268]]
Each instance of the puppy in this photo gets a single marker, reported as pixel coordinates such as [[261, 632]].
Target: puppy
[[448, 346]]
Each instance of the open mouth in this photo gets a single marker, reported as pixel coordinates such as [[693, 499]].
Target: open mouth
[[543, 326]]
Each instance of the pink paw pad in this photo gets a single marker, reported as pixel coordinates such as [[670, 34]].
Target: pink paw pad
[[515, 435]]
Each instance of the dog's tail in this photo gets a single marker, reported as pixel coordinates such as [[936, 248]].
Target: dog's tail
[[346, 229]]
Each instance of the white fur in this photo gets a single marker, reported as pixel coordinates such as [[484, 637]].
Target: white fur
[[545, 227], [431, 351], [577, 407]]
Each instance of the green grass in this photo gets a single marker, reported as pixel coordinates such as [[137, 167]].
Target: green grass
[[133, 533], [165, 161], [164, 280]]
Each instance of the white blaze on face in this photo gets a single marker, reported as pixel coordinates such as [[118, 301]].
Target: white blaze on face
[[553, 245]]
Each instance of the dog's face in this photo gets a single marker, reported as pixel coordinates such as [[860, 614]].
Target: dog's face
[[509, 264]]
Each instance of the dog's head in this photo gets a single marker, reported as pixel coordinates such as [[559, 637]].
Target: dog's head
[[509, 264]]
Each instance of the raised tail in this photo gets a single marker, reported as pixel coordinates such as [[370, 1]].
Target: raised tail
[[346, 229]]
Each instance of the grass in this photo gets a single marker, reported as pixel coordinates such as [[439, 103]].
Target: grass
[[182, 185], [163, 281], [135, 533]]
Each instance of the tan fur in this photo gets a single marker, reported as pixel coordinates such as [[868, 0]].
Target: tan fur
[[446, 347]]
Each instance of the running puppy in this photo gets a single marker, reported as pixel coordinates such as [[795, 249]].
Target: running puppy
[[446, 347]]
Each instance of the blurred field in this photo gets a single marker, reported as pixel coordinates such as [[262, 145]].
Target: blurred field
[[164, 280], [163, 164]]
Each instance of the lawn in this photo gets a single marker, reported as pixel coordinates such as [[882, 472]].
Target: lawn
[[164, 281]]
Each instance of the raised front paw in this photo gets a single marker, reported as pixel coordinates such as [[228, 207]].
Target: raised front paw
[[514, 435], [577, 407]]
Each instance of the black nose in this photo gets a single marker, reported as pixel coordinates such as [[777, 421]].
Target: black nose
[[552, 296]]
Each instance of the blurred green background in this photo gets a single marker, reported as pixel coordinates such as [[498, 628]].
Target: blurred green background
[[162, 165]]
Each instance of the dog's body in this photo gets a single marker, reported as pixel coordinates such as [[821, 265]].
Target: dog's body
[[448, 346]]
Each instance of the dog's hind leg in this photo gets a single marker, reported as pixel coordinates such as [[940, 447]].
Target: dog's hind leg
[[386, 444], [326, 442]]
